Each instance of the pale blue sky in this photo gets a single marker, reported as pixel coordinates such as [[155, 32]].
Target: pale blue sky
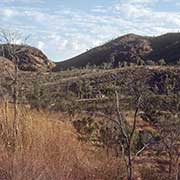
[[65, 28]]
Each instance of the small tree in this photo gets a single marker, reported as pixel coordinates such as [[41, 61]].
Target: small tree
[[169, 132], [126, 134], [178, 62], [140, 62], [35, 98], [106, 65], [88, 66], [150, 63], [8, 48], [9, 40], [124, 64], [161, 62]]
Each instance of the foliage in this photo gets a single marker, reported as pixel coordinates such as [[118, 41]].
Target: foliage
[[161, 62]]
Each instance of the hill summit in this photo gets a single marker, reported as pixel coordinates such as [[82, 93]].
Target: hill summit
[[130, 48]]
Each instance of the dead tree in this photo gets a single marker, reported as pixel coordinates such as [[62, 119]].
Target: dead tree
[[9, 40], [169, 132], [127, 133]]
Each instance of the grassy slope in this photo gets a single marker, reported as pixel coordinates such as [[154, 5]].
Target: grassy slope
[[48, 149]]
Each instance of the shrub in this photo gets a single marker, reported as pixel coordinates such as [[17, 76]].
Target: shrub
[[151, 173], [161, 62], [150, 62]]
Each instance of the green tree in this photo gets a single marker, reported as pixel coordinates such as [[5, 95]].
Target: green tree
[[161, 62]]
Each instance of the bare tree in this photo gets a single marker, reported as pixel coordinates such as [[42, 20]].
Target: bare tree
[[169, 132], [122, 122], [126, 135], [9, 40], [10, 50]]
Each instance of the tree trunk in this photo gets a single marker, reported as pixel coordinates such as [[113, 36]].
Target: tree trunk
[[177, 168], [129, 167], [15, 94], [170, 166]]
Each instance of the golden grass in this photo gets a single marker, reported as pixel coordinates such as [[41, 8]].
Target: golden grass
[[48, 149]]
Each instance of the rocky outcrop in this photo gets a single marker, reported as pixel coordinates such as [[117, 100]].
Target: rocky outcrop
[[28, 58], [6, 66]]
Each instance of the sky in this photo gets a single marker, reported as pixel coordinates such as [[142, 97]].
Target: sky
[[65, 28]]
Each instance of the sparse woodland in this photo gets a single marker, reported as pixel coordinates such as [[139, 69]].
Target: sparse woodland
[[90, 123]]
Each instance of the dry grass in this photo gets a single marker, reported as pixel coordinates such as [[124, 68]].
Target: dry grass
[[48, 149]]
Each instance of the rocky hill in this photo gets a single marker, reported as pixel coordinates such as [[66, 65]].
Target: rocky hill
[[130, 48], [30, 58], [6, 64]]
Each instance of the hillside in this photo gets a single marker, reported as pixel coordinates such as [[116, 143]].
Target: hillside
[[30, 58], [130, 48], [77, 108], [95, 88]]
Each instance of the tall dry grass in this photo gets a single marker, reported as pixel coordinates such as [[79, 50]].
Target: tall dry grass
[[46, 148]]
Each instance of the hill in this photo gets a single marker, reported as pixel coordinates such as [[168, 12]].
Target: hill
[[130, 48], [76, 124], [30, 58]]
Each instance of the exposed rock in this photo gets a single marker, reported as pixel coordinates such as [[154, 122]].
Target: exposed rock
[[6, 66], [29, 58]]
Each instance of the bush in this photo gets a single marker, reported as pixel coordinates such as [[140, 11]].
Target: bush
[[152, 173], [150, 62], [162, 62]]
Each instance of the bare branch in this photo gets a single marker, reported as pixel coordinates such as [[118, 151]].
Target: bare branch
[[135, 117], [120, 119], [143, 148]]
